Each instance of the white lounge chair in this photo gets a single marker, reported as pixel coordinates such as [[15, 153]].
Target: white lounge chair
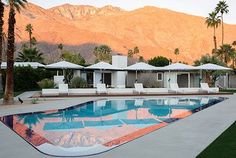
[[138, 87], [63, 89], [101, 88], [174, 87], [205, 87]]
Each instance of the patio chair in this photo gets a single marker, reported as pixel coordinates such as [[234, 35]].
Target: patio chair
[[174, 87], [101, 88], [138, 87], [205, 87], [63, 89]]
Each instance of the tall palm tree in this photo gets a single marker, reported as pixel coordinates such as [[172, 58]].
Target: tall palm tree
[[29, 29], [213, 20], [1, 33], [176, 52], [9, 88], [222, 8]]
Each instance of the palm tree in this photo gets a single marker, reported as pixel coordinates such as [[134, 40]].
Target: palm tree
[[226, 53], [234, 43], [213, 20], [14, 5], [234, 60], [133, 52], [102, 53], [30, 55], [222, 8], [1, 32], [29, 29], [176, 52], [60, 48]]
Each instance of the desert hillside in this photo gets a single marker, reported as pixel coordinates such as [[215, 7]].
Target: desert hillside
[[155, 31]]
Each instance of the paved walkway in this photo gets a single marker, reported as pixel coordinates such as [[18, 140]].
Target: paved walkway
[[184, 138]]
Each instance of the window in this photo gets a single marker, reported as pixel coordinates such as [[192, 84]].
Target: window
[[159, 76]]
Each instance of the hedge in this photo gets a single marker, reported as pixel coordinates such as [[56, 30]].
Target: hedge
[[26, 78]]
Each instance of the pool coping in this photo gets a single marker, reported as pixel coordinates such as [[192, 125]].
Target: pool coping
[[144, 146]]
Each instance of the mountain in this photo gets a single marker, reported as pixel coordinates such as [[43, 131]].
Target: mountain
[[154, 30], [74, 12]]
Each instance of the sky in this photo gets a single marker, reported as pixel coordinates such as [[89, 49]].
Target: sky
[[194, 7]]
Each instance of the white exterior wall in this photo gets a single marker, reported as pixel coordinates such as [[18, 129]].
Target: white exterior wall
[[119, 61], [97, 76], [119, 77], [58, 80], [172, 76]]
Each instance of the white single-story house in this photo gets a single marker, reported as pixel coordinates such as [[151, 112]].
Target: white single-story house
[[110, 74]]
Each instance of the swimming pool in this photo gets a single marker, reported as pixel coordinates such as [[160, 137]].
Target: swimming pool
[[101, 125]]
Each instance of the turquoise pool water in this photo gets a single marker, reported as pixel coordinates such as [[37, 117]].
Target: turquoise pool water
[[101, 125]]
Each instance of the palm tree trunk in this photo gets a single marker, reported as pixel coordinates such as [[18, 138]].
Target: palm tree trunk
[[30, 40], [9, 91], [215, 43], [222, 20], [1, 36]]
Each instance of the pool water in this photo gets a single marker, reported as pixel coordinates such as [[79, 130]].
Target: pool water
[[101, 125]]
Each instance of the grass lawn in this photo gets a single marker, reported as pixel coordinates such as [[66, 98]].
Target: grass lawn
[[228, 90], [223, 147], [15, 94]]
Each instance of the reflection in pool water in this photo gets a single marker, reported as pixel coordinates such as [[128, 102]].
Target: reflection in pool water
[[98, 126]]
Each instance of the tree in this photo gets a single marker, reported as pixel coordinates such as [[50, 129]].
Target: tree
[[73, 58], [159, 61], [226, 53], [176, 52], [222, 8], [30, 55], [133, 52], [102, 53], [1, 33], [60, 46], [29, 29], [213, 21], [141, 59], [211, 76], [9, 88], [234, 60]]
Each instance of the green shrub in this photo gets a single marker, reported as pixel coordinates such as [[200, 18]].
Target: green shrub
[[35, 101], [46, 83], [26, 78], [78, 82]]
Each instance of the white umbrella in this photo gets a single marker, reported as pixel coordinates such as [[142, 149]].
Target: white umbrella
[[64, 65], [102, 66], [24, 64], [179, 66], [141, 66], [210, 66]]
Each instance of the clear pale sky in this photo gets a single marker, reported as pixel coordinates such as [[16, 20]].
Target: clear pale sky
[[195, 7]]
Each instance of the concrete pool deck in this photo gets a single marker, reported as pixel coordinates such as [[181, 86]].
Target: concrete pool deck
[[184, 138]]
